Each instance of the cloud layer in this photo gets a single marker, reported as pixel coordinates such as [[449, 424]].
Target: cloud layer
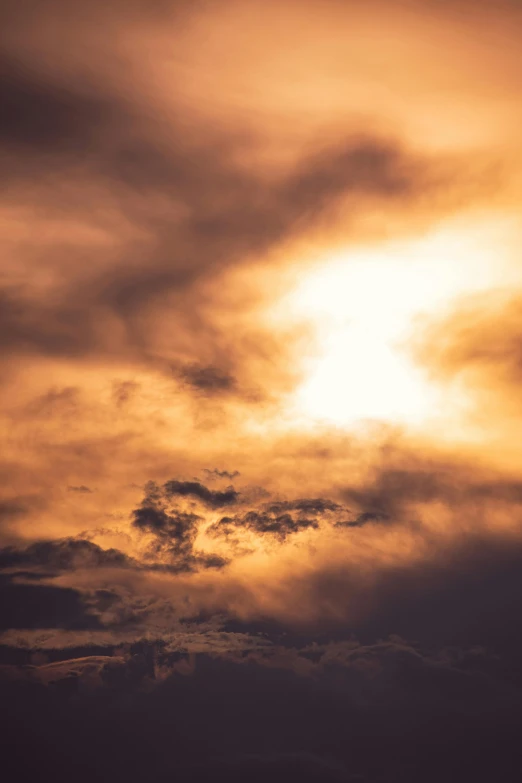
[[199, 579]]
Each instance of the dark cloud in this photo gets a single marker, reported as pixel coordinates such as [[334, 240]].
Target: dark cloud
[[174, 530], [391, 488], [42, 606], [178, 528], [361, 712], [12, 508], [81, 489], [279, 525], [362, 519], [380, 660], [452, 589], [212, 498], [309, 505], [230, 215], [214, 473], [172, 552], [85, 142], [47, 117], [458, 592], [207, 380], [280, 518], [303, 766], [64, 554]]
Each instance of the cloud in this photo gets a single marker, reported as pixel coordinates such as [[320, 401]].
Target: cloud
[[65, 554], [347, 599], [165, 225], [110, 298], [219, 474], [44, 117], [352, 631], [305, 767], [43, 606], [417, 541], [279, 525], [308, 505], [370, 713], [124, 391], [152, 217], [479, 345], [174, 531], [208, 380], [12, 508], [404, 479], [212, 498], [281, 518]]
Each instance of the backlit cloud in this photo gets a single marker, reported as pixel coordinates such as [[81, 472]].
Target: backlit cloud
[[260, 360]]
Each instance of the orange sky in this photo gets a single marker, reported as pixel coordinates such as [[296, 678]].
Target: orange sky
[[274, 238]]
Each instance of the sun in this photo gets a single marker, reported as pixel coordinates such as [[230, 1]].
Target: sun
[[364, 303], [360, 377]]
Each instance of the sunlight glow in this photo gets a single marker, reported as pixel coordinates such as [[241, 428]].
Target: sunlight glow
[[364, 303]]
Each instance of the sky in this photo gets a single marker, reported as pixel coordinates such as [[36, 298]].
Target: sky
[[260, 364]]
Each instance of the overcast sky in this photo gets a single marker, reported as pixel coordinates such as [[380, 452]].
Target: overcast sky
[[260, 366]]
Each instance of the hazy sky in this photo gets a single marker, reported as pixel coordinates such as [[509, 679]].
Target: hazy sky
[[261, 355]]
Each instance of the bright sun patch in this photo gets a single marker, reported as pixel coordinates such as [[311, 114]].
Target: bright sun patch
[[364, 304]]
